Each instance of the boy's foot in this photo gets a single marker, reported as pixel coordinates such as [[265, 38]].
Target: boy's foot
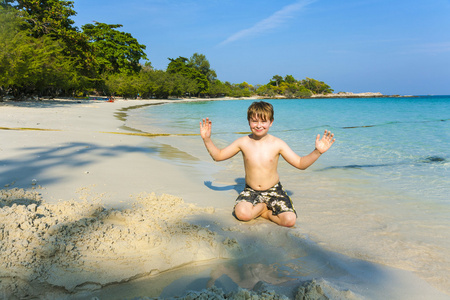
[[266, 213]]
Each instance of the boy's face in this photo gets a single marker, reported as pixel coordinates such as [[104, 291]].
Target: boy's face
[[259, 127]]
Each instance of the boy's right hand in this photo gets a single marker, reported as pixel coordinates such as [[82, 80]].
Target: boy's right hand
[[205, 128]]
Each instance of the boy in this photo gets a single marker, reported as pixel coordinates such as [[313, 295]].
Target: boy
[[263, 195]]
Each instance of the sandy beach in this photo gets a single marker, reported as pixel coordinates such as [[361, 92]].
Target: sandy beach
[[88, 209]]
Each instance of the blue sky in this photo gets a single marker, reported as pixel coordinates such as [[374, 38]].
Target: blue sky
[[388, 46]]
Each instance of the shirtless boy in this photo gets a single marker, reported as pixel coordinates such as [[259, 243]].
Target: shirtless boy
[[263, 195]]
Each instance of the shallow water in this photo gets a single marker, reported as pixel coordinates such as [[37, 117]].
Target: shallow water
[[380, 194]]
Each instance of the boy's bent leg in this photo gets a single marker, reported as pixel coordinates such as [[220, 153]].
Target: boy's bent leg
[[246, 211], [286, 219]]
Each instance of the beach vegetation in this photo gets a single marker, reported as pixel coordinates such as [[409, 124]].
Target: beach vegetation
[[276, 80], [29, 65], [149, 83], [42, 54], [190, 70], [290, 87], [218, 89], [115, 51], [315, 86], [199, 62], [50, 17]]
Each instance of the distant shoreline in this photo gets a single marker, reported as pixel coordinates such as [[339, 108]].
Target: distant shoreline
[[346, 95], [253, 97], [358, 95]]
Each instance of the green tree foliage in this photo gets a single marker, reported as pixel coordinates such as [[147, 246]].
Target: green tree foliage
[[302, 92], [51, 18], [276, 80], [182, 67], [149, 83], [47, 21], [218, 89], [115, 51], [317, 87], [31, 65], [289, 79], [43, 53], [289, 87], [46, 24], [45, 17], [199, 62]]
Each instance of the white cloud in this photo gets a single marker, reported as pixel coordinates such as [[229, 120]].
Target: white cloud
[[275, 20]]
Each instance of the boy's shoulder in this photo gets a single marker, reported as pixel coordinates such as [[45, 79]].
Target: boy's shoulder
[[276, 140], [243, 139]]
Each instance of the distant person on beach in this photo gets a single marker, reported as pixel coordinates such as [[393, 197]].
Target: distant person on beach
[[263, 195]]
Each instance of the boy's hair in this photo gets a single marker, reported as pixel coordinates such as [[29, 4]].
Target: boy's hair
[[260, 109]]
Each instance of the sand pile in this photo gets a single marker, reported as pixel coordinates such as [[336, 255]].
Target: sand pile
[[306, 290], [83, 246]]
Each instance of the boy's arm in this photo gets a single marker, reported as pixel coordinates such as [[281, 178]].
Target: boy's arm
[[302, 163], [216, 153]]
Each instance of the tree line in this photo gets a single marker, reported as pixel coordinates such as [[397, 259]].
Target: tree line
[[42, 53]]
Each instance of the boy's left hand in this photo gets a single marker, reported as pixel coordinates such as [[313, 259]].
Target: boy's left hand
[[322, 145]]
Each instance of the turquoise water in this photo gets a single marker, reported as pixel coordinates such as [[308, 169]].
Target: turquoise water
[[381, 193], [389, 138]]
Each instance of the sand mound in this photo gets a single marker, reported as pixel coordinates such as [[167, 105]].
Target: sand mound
[[82, 245], [306, 290]]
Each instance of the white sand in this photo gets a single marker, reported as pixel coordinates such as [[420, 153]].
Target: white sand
[[81, 153], [81, 245], [78, 214], [73, 243]]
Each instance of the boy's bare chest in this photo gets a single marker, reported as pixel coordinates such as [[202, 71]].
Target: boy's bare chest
[[260, 154]]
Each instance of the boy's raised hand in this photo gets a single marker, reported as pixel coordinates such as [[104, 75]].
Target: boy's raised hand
[[205, 128], [322, 145]]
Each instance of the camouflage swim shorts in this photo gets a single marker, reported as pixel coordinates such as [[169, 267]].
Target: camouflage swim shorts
[[275, 198]]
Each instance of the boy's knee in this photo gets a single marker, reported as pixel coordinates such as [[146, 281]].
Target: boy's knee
[[243, 215], [288, 219]]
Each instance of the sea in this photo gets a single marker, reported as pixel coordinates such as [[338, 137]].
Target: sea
[[381, 194]]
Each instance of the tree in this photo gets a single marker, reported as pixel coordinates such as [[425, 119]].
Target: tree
[[181, 66], [263, 90], [303, 92], [178, 65], [245, 85], [51, 18], [45, 17], [289, 79], [317, 87], [200, 62], [32, 65], [115, 51], [218, 89], [276, 80]]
